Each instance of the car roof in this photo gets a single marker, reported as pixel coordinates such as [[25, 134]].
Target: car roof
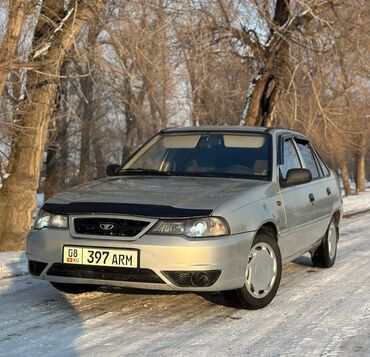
[[230, 128]]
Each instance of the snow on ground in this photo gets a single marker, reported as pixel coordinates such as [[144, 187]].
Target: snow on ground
[[357, 202], [12, 264], [317, 312]]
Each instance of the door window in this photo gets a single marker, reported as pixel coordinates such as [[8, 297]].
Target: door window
[[291, 159], [308, 158]]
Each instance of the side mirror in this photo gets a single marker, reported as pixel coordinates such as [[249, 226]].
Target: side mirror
[[296, 177], [112, 169]]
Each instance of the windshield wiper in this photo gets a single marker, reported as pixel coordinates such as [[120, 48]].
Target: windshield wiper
[[191, 173], [219, 175], [142, 171]]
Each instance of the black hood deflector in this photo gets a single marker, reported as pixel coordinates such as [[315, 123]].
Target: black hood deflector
[[157, 211]]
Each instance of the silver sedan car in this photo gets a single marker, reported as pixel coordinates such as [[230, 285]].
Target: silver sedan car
[[194, 209]]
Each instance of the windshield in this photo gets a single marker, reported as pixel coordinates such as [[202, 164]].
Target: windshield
[[204, 154]]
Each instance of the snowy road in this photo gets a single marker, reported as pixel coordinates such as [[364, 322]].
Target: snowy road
[[316, 313]]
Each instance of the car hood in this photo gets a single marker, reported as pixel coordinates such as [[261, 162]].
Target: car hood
[[172, 191]]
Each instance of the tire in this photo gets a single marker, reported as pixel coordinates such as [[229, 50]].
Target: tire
[[74, 288], [326, 253], [265, 245]]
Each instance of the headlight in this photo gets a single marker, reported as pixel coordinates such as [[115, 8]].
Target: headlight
[[197, 227], [46, 219]]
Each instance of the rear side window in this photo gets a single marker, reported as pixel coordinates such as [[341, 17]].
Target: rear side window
[[291, 159], [308, 158], [322, 164]]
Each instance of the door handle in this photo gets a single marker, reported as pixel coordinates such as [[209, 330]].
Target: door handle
[[311, 197], [328, 191]]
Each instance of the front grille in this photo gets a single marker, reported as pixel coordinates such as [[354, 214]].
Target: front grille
[[104, 273], [105, 226]]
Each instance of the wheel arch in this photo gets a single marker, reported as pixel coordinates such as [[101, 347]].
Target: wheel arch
[[270, 227], [336, 216]]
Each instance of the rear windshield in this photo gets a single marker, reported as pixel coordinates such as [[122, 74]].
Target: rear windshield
[[205, 154]]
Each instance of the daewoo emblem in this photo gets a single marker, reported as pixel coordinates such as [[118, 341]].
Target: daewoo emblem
[[106, 226]]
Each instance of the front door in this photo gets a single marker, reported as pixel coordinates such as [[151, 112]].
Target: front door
[[321, 191], [297, 201]]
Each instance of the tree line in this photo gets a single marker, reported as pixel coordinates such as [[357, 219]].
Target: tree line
[[83, 83]]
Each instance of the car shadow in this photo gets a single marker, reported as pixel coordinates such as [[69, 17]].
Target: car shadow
[[216, 298], [133, 291], [35, 315], [213, 297], [304, 260], [219, 298]]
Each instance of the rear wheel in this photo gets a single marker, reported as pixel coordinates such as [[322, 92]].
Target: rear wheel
[[262, 276], [74, 288], [326, 253]]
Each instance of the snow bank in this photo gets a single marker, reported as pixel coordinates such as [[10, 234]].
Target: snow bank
[[357, 203], [12, 264]]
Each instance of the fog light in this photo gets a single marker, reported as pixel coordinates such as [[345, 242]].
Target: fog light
[[196, 279], [199, 279]]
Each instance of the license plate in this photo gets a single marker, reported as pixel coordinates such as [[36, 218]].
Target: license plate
[[126, 258]]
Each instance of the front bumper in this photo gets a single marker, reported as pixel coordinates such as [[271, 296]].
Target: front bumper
[[158, 253]]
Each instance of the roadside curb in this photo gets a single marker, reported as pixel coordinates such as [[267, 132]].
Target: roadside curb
[[351, 214]]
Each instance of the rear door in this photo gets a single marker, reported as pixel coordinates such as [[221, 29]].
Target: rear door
[[330, 184]]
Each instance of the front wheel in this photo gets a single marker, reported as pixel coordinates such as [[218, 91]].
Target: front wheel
[[262, 276], [74, 288], [326, 253]]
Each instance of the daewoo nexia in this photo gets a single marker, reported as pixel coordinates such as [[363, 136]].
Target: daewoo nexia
[[194, 209]]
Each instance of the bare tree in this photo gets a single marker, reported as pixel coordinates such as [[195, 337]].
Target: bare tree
[[57, 150], [86, 85], [136, 63], [17, 12], [55, 35]]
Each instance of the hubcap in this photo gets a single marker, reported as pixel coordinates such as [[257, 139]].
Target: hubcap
[[261, 270], [332, 240]]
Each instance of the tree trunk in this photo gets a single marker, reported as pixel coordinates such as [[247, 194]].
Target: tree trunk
[[131, 130], [252, 112], [85, 173], [16, 17], [17, 196], [132, 122], [56, 162], [99, 159], [57, 153], [87, 88], [360, 165], [345, 178], [1, 173], [265, 87]]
